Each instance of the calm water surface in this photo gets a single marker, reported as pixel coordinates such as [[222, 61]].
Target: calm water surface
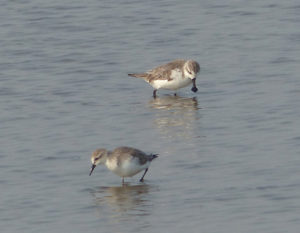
[[228, 155]]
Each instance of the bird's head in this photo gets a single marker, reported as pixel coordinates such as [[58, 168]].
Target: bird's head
[[98, 156]]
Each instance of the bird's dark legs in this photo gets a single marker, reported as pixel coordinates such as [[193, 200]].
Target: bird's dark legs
[[154, 93], [142, 179], [123, 180], [175, 94]]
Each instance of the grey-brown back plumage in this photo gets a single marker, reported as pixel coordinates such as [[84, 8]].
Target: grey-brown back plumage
[[130, 153], [162, 72]]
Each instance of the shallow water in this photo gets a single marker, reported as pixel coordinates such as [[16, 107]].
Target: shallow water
[[228, 155]]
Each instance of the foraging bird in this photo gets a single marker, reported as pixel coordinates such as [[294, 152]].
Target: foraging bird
[[123, 161], [172, 76]]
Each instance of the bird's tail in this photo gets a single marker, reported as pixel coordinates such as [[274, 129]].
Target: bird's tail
[[142, 75]]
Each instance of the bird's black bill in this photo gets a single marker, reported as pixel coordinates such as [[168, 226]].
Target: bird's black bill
[[93, 167], [194, 88]]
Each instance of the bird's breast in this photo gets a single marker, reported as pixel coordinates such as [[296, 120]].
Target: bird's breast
[[126, 168], [175, 81]]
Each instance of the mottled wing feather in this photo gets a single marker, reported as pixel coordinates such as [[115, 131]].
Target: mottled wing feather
[[169, 66], [143, 158], [162, 72]]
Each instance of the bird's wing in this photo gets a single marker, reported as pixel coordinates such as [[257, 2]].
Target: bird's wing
[[130, 153], [162, 72]]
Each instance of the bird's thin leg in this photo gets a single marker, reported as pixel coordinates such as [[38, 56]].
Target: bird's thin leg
[[154, 93], [123, 180], [142, 179]]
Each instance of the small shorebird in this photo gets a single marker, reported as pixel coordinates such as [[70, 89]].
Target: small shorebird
[[123, 161], [172, 76]]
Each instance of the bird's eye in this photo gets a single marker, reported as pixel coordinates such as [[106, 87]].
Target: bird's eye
[[189, 72], [96, 159]]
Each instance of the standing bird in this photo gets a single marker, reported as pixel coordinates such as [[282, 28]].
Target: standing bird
[[172, 76], [123, 161]]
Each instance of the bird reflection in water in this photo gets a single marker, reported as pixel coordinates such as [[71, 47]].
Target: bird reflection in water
[[124, 201], [177, 116]]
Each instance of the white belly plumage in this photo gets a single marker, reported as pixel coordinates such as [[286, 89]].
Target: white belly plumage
[[127, 168], [178, 81], [170, 85]]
